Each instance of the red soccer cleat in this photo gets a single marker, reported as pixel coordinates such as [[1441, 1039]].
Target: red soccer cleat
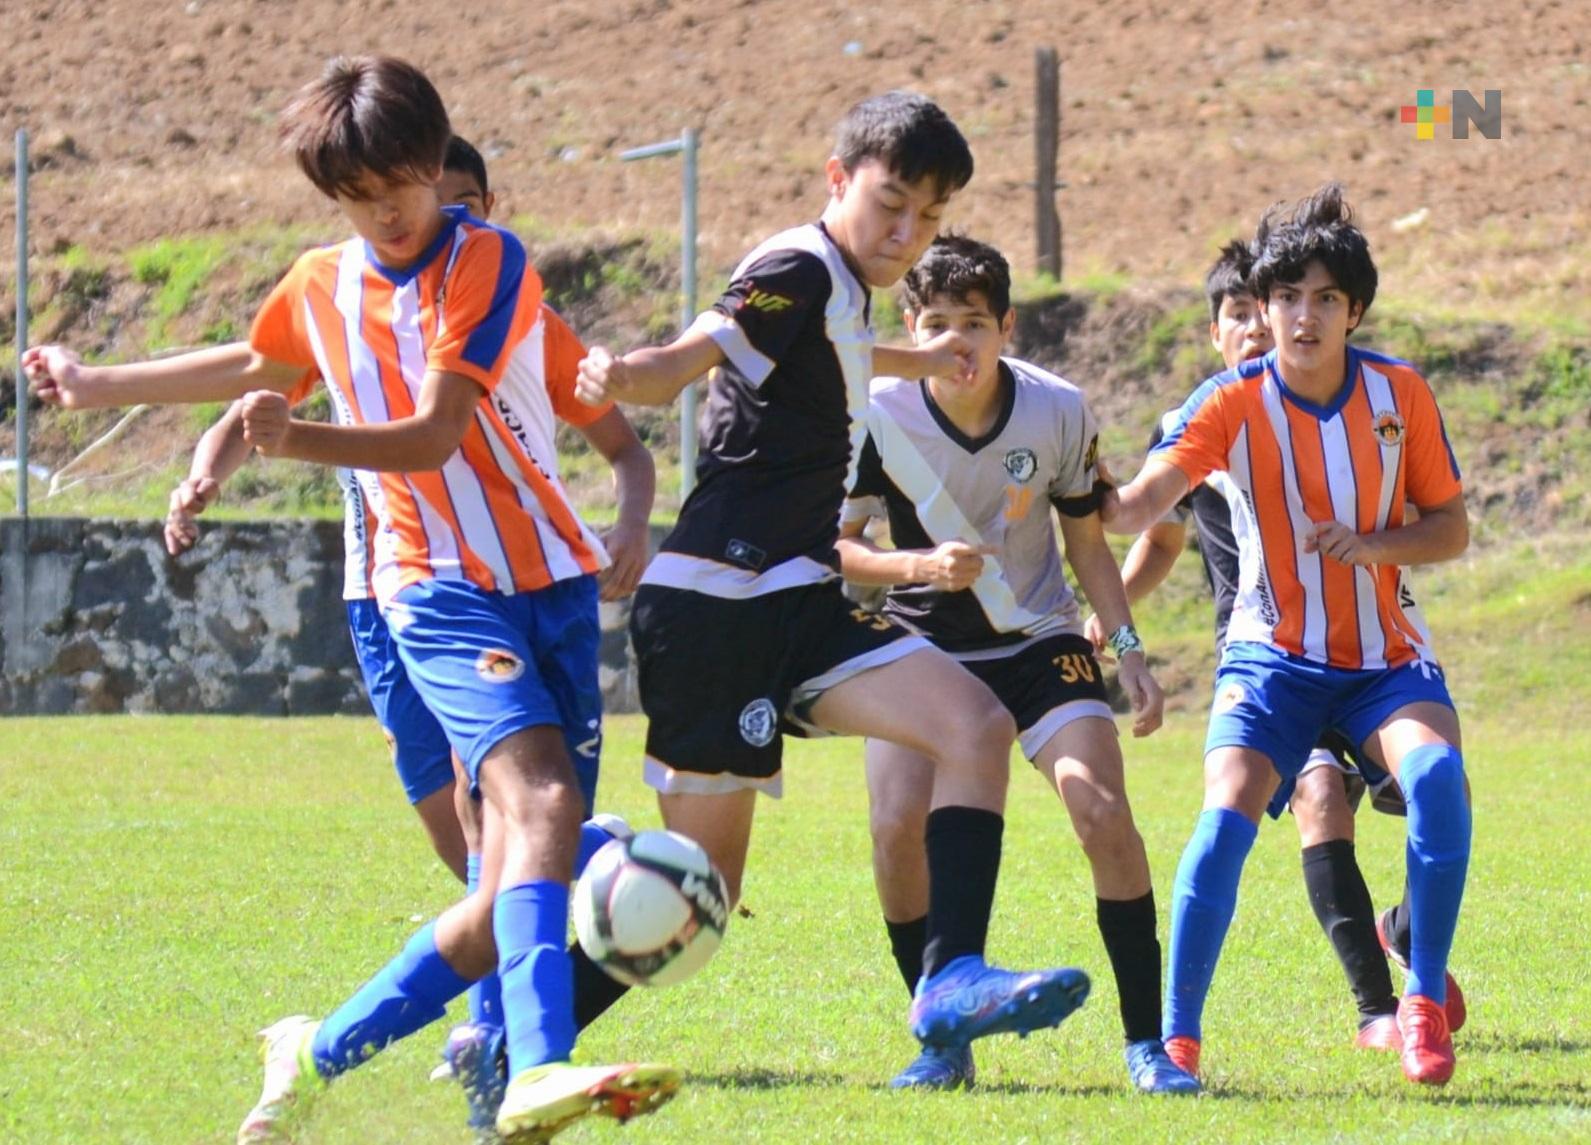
[[1380, 1034], [1457, 1011], [1184, 1051], [1427, 1042]]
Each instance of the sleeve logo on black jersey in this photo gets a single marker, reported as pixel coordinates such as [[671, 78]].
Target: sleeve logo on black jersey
[[1022, 464], [767, 301], [1389, 428]]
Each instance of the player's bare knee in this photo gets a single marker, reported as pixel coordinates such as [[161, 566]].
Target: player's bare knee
[[1105, 827], [526, 805], [981, 729], [897, 825]]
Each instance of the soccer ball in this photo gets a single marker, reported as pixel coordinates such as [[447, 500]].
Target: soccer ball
[[650, 910]]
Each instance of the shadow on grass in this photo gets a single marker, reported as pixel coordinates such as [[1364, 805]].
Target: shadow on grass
[[765, 1079], [1563, 1094], [1501, 1044]]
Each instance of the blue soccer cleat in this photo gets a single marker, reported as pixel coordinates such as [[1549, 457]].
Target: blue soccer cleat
[[476, 1056], [1153, 1071], [936, 1068], [970, 999]]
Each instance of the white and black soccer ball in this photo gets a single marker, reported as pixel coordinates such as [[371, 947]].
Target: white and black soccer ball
[[650, 910]]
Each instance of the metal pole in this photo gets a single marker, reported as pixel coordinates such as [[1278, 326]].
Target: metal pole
[[686, 145], [22, 321], [687, 413], [1046, 143]]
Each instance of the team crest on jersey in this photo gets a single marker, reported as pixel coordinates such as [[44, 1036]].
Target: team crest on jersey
[[1389, 428], [759, 722], [1230, 697], [499, 666], [1091, 455], [1022, 463]]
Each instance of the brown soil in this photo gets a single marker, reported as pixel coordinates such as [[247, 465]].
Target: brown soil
[[1181, 121]]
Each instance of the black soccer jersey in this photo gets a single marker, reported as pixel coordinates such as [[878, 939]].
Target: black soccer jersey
[[783, 420], [935, 484], [1212, 521]]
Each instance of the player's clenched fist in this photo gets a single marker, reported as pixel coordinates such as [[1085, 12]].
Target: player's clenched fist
[[1143, 693], [55, 376], [266, 421], [953, 565], [188, 500], [601, 377]]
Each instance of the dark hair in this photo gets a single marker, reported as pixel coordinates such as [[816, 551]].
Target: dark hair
[[1319, 227], [1228, 277], [366, 113], [957, 265], [910, 135], [462, 156]]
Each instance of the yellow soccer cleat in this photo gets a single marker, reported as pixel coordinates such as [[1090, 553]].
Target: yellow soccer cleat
[[546, 1099]]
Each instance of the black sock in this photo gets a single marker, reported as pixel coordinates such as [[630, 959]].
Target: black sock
[[1128, 928], [594, 990], [1398, 926], [1341, 901], [963, 865], [906, 942]]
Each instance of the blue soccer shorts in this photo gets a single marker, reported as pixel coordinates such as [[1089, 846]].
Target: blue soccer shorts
[[420, 751], [489, 664], [1280, 704]]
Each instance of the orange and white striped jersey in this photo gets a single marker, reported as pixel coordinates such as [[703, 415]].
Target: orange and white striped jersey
[[496, 513], [1380, 445]]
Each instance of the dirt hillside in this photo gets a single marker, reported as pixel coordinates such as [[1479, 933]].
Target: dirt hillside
[[1180, 121]]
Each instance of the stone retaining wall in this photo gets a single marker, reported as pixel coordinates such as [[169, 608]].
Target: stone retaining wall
[[95, 617]]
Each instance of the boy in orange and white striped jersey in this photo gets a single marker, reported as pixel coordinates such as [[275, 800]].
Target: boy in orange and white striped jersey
[[425, 328], [1324, 445]]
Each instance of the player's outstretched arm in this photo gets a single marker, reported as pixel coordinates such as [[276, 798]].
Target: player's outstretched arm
[[634, 488], [1148, 497], [58, 376], [652, 376], [947, 355], [1440, 534], [949, 567], [220, 452], [423, 440], [1098, 576]]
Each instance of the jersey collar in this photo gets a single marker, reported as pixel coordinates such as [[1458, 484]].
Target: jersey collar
[[1326, 412], [1001, 419], [452, 215]]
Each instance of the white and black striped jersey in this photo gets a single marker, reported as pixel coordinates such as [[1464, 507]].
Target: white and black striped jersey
[[934, 484], [782, 425]]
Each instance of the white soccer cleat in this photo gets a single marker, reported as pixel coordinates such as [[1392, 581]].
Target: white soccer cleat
[[548, 1098], [290, 1080]]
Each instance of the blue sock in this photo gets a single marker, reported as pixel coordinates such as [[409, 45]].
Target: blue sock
[[1432, 778], [1201, 909], [530, 922], [486, 996], [592, 840], [409, 992]]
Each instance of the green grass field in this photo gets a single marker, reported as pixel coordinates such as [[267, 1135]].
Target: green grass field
[[170, 885]]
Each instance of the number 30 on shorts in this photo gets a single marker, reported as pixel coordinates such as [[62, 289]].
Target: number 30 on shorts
[[1075, 666], [872, 619]]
